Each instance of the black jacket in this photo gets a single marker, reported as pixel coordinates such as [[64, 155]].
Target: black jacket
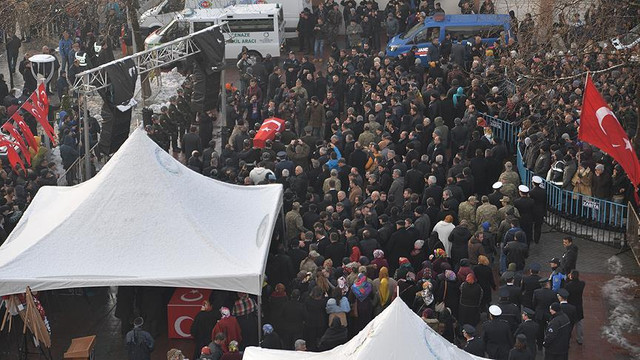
[[530, 329], [539, 197], [575, 289], [542, 299], [475, 347], [569, 259], [558, 334], [528, 286], [498, 338]]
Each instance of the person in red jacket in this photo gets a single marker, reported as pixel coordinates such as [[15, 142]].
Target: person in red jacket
[[229, 326]]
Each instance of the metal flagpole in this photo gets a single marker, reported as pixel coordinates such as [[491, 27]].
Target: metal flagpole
[[260, 315], [85, 124]]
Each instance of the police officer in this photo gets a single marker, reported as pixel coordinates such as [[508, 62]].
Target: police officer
[[525, 204], [498, 337], [530, 329], [539, 196], [510, 311], [496, 195], [542, 299], [557, 334], [529, 284], [567, 308], [474, 345]]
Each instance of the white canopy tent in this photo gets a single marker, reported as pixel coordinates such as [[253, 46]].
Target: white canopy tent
[[144, 220], [396, 334]]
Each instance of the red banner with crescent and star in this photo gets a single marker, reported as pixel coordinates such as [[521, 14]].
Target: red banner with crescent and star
[[268, 131], [600, 128]]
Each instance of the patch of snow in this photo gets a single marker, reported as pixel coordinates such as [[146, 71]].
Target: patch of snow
[[163, 86], [624, 316]]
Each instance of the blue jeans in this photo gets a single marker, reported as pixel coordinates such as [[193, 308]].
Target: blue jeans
[[318, 49]]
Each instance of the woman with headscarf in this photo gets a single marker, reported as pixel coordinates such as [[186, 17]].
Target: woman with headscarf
[[484, 277], [234, 353], [429, 317], [270, 338], [425, 272], [470, 299], [334, 336], [464, 269], [448, 290], [229, 326], [434, 242], [315, 318], [362, 299], [424, 298], [439, 258], [385, 289], [444, 229], [338, 306], [418, 254], [245, 309], [277, 302], [405, 267], [379, 261]]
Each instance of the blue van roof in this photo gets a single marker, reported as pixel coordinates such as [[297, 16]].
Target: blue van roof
[[471, 19]]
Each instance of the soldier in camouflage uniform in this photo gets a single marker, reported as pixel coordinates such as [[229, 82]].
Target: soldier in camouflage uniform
[[487, 212], [509, 176], [467, 211], [506, 207]]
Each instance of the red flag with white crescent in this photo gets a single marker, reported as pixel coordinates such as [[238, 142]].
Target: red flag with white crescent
[[12, 155], [42, 95], [600, 128], [8, 126], [26, 132], [36, 108], [268, 131]]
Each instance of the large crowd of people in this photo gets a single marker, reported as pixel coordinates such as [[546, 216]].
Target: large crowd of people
[[394, 184]]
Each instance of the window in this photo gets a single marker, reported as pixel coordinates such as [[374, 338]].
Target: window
[[468, 32], [414, 30], [427, 35], [250, 25], [175, 30], [197, 26]]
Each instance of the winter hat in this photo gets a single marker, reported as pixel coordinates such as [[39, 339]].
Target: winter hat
[[486, 226], [555, 307], [403, 260], [418, 244]]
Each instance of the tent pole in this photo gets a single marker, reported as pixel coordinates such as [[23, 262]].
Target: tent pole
[[259, 319]]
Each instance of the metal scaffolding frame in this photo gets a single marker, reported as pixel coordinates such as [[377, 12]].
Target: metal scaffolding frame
[[145, 61]]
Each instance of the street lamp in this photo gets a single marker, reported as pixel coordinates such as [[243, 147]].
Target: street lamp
[[40, 63]]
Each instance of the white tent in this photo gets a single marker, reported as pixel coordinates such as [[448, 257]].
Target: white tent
[[396, 334], [144, 220]]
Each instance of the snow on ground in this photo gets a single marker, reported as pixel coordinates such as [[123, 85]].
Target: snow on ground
[[624, 316], [161, 89]]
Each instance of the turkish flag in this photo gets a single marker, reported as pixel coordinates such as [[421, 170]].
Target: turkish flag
[[8, 126], [12, 155], [40, 112], [600, 127], [268, 131], [26, 132]]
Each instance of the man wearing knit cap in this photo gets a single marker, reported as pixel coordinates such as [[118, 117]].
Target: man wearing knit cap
[[497, 336], [557, 334]]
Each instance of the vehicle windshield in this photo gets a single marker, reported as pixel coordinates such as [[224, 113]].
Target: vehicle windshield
[[631, 36], [414, 30]]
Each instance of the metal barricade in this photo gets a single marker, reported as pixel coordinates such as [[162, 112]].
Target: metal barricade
[[600, 220], [633, 232], [503, 130]]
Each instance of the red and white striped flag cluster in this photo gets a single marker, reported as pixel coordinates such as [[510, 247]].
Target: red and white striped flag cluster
[[38, 106]]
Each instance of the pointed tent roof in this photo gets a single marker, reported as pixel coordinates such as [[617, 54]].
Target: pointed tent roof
[[144, 220], [396, 334]]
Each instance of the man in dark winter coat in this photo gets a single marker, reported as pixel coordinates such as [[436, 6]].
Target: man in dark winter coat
[[542, 299], [525, 206], [498, 337], [557, 334], [529, 328], [202, 327], [575, 287], [474, 345], [570, 256], [539, 197]]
